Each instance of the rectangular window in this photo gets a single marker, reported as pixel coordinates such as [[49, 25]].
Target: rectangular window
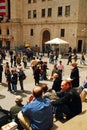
[[29, 14], [31, 32], [43, 12], [34, 14], [49, 12], [29, 1], [62, 32], [59, 11], [67, 10]]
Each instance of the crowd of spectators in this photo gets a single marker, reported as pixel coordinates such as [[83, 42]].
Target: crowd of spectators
[[61, 102]]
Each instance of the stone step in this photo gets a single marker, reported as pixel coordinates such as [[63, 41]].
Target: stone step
[[77, 122]]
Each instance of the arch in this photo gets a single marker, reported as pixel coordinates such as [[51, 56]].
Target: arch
[[45, 37]]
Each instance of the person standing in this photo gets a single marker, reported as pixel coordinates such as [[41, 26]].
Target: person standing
[[38, 112], [14, 78], [75, 75], [11, 60], [25, 60], [82, 61], [60, 68], [18, 59], [8, 79], [14, 59], [1, 71], [36, 74], [69, 59], [21, 79]]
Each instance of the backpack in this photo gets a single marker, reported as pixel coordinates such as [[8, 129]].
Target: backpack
[[5, 117]]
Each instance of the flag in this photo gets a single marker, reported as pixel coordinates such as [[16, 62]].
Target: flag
[[2, 7]]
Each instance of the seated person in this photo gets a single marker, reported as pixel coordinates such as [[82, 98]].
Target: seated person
[[57, 82], [5, 116], [37, 114], [84, 83], [15, 109], [69, 102], [83, 94], [49, 93]]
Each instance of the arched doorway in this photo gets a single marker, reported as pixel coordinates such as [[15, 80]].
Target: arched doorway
[[45, 37]]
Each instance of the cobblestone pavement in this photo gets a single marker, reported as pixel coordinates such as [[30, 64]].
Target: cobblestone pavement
[[7, 99]]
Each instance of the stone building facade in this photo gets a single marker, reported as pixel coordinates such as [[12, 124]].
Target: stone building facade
[[37, 21]]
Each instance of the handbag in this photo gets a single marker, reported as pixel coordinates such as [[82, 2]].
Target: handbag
[[24, 76]]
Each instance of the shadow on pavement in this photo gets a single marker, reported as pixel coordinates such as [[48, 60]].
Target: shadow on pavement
[[2, 96]]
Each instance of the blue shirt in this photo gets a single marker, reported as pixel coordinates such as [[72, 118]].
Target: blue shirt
[[39, 112]]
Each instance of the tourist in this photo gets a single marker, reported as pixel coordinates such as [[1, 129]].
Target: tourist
[[38, 112], [15, 109], [69, 102]]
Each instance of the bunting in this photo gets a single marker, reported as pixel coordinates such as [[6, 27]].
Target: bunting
[[2, 7]]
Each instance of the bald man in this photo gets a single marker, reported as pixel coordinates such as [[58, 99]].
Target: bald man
[[38, 112]]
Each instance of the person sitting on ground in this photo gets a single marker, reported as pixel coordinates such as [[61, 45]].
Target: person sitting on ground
[[83, 94], [54, 70], [84, 83], [69, 102], [37, 114], [49, 93], [15, 109], [56, 83]]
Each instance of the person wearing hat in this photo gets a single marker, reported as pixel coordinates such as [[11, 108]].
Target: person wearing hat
[[74, 75], [69, 103], [15, 109]]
